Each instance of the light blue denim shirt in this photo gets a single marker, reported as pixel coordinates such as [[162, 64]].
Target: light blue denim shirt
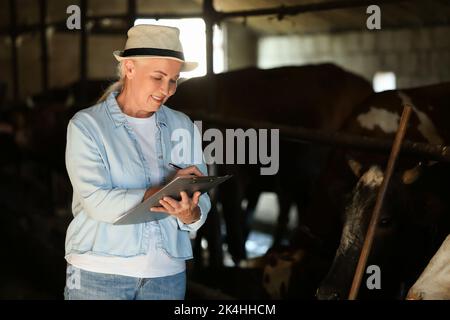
[[110, 175]]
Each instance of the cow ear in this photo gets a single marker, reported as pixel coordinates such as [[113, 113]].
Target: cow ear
[[411, 175], [355, 166]]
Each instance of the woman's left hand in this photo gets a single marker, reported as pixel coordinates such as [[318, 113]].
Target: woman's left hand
[[187, 209]]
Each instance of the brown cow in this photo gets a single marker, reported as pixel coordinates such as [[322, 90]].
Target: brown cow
[[415, 215], [313, 96]]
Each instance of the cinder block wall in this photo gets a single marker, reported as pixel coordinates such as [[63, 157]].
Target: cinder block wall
[[241, 44], [417, 57]]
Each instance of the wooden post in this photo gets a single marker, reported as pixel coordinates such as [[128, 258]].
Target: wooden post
[[282, 11], [209, 15], [15, 61], [365, 251], [131, 12], [44, 44], [83, 52]]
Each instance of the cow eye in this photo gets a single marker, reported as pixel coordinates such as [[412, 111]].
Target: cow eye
[[386, 221]]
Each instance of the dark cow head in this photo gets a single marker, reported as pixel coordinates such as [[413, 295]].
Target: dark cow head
[[412, 213], [415, 213]]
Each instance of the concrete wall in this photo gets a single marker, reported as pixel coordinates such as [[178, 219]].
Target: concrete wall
[[29, 64], [417, 57], [64, 58], [241, 45], [63, 53], [64, 48], [101, 62]]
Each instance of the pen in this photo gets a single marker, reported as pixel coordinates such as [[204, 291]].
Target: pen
[[174, 166]]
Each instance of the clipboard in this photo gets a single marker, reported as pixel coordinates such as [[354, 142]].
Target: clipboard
[[141, 213]]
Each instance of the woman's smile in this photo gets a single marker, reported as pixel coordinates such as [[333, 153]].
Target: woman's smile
[[157, 99]]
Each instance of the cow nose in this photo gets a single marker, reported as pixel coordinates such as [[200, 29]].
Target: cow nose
[[414, 295], [327, 294]]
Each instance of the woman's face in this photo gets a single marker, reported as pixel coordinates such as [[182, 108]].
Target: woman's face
[[152, 81]]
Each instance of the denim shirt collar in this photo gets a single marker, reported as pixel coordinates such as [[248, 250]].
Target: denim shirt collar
[[118, 117]]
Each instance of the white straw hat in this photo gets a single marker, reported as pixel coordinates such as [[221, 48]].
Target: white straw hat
[[152, 41]]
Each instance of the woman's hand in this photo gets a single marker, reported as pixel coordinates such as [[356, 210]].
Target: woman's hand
[[187, 210], [191, 170]]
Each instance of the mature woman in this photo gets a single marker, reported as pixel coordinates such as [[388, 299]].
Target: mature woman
[[117, 155]]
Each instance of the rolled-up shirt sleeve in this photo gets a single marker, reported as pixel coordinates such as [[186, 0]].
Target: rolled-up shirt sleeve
[[204, 202], [91, 180]]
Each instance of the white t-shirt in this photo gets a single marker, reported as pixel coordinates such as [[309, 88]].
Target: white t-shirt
[[156, 263]]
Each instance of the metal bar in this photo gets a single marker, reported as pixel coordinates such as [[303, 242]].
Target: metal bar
[[209, 14], [100, 30], [218, 16], [146, 16], [15, 61], [365, 251], [131, 12], [303, 135], [124, 17], [59, 24], [303, 8], [44, 45]]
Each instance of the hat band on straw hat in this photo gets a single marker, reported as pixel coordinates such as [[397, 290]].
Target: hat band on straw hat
[[153, 52]]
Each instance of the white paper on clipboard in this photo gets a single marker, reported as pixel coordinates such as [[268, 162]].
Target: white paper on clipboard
[[141, 213]]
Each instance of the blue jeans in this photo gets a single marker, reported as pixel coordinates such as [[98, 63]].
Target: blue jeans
[[86, 285]]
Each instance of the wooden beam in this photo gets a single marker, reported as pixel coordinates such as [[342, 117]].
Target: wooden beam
[[303, 8], [124, 17], [279, 11], [15, 62], [342, 139], [44, 44], [131, 12], [209, 14], [83, 50], [370, 235]]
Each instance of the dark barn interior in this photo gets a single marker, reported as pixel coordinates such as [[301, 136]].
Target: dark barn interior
[[333, 76]]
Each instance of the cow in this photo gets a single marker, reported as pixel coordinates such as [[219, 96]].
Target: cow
[[415, 216], [34, 133], [33, 138], [434, 282], [312, 96], [10, 151], [39, 124], [294, 271]]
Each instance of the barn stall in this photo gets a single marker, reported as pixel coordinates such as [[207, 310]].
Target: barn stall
[[311, 69]]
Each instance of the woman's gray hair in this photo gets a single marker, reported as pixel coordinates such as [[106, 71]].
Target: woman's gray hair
[[116, 86]]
